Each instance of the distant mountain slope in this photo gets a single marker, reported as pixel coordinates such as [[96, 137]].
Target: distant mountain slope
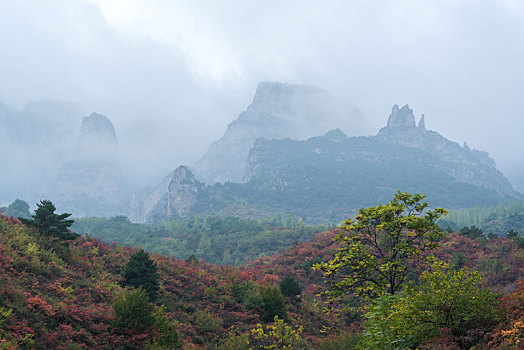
[[327, 178], [277, 111], [34, 142], [90, 182]]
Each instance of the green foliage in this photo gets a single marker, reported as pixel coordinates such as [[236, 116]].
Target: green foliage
[[168, 337], [381, 246], [18, 209], [141, 271], [497, 219], [277, 335], [380, 329], [269, 301], [50, 224], [444, 298], [133, 311], [343, 341], [239, 289], [219, 240], [207, 322], [473, 232], [290, 287]]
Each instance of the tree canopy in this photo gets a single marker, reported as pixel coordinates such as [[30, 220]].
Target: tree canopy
[[141, 271], [50, 224], [381, 246]]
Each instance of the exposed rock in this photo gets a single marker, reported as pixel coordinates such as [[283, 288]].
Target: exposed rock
[[401, 118], [91, 184], [422, 124], [277, 111], [182, 193]]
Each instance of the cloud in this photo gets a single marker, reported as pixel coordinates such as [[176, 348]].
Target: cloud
[[173, 73]]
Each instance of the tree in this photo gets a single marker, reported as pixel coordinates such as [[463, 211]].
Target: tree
[[133, 311], [141, 271], [290, 287], [381, 246], [50, 224], [444, 298]]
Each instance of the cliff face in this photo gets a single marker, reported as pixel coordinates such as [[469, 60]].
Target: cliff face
[[90, 183], [277, 111], [463, 164], [329, 177], [357, 171]]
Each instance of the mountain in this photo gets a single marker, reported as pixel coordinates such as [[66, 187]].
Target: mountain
[[34, 142], [90, 183], [277, 111], [328, 178]]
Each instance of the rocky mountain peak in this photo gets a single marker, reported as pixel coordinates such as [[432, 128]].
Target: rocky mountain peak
[[336, 135], [401, 117], [93, 174], [182, 193], [98, 141], [97, 125], [277, 111], [422, 123]]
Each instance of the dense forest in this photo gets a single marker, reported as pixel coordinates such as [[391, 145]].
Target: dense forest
[[221, 241], [62, 291], [497, 219]]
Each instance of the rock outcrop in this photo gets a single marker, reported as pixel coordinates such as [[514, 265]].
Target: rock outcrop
[[462, 163], [329, 177], [182, 193], [90, 183], [173, 198], [277, 111]]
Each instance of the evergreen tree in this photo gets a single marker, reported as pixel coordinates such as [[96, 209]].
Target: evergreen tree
[[273, 303], [290, 287], [50, 224], [141, 271]]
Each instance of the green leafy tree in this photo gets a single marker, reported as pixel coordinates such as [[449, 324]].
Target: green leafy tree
[[444, 298], [141, 271], [168, 337], [381, 246], [133, 311], [50, 224], [18, 209]]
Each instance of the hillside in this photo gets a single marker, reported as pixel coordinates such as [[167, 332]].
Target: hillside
[[57, 296]]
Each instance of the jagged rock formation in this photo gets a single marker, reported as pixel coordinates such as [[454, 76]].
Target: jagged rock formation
[[277, 111], [329, 177], [90, 183], [463, 164], [182, 193]]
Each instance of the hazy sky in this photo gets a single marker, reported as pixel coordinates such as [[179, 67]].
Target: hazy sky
[[172, 74]]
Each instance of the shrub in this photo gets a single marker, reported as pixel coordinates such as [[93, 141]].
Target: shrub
[[133, 311]]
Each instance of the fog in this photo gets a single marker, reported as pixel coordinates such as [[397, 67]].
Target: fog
[[171, 74]]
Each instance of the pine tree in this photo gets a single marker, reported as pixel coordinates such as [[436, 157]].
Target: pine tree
[[50, 224], [141, 271]]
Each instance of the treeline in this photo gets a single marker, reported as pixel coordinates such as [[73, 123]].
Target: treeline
[[496, 219], [221, 241]]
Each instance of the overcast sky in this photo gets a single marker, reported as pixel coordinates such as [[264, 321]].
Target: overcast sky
[[187, 68]]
